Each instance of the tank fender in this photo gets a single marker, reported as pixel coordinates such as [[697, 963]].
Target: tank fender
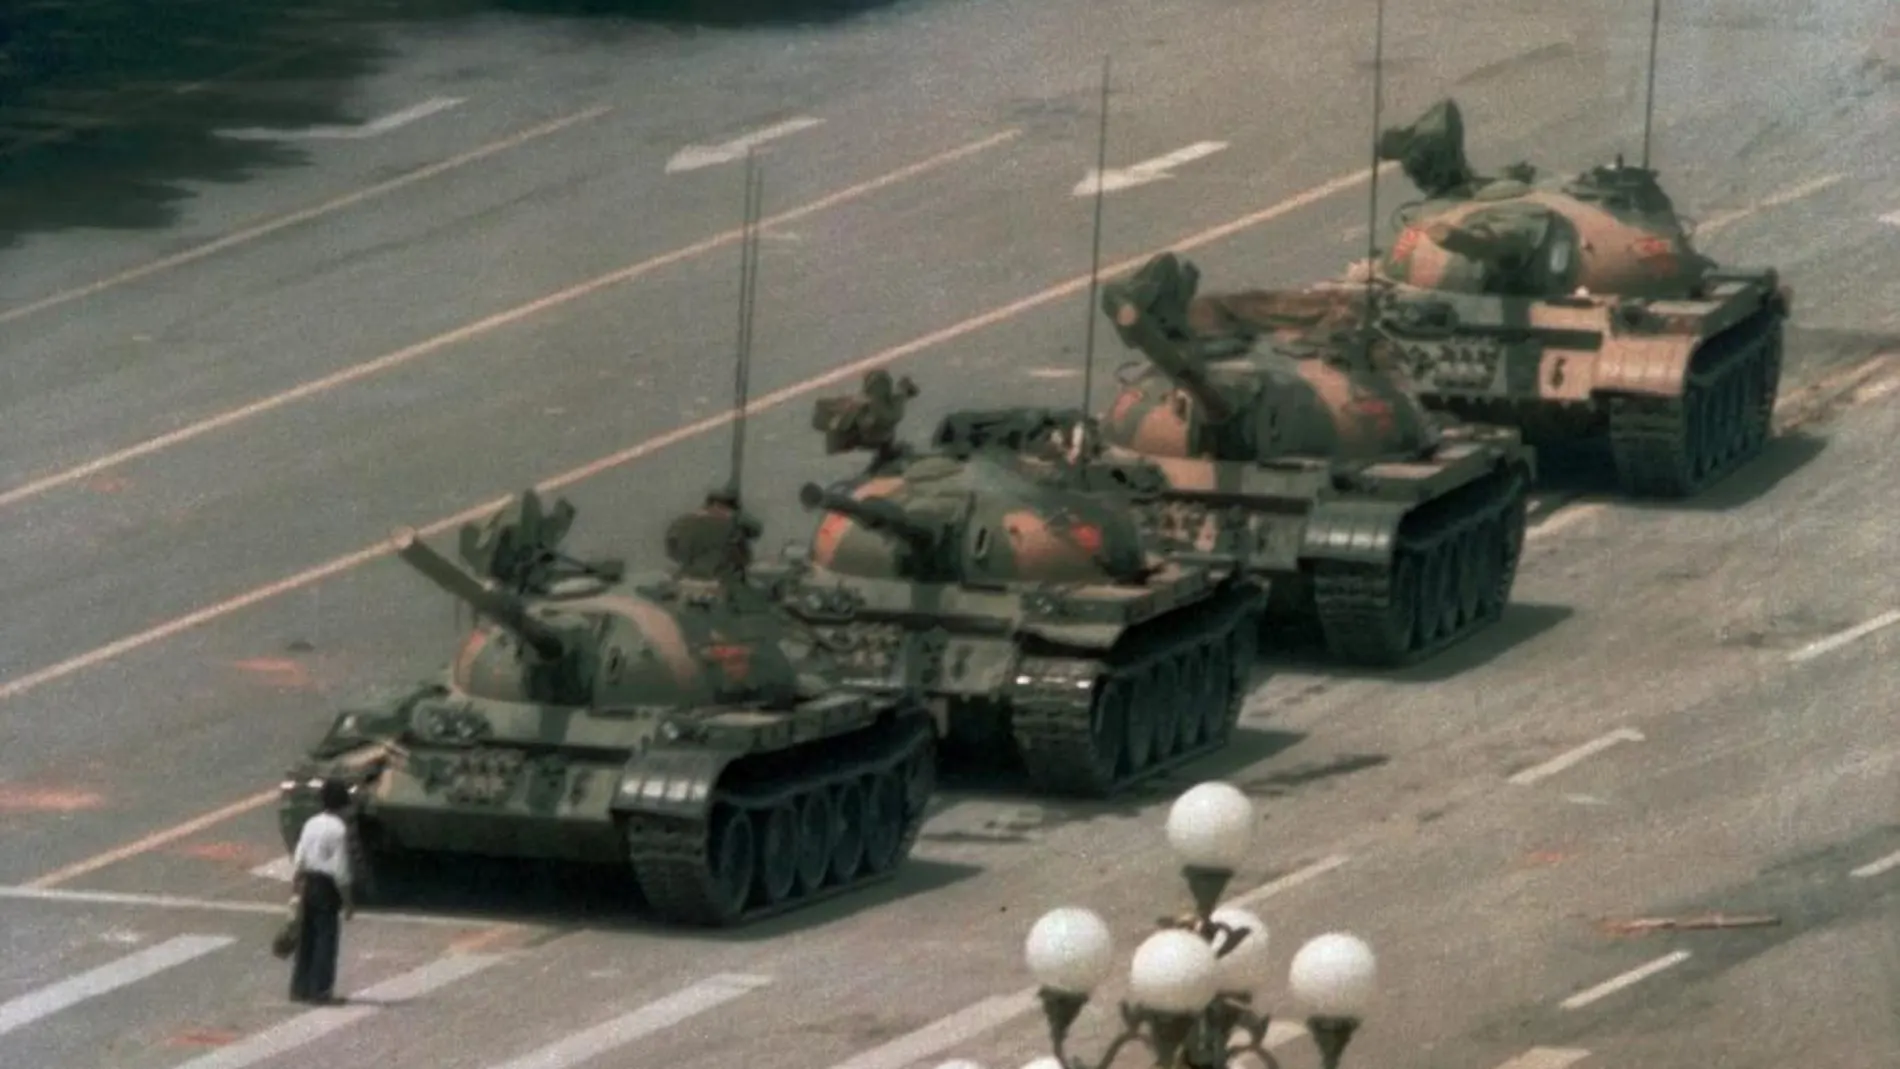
[[1655, 366], [1353, 532], [671, 782]]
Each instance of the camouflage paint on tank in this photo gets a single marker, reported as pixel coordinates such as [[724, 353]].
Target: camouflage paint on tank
[[590, 718]]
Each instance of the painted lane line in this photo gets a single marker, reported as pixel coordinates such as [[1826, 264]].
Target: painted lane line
[[1290, 881], [1116, 179], [29, 893], [674, 1009], [774, 399], [312, 1025], [1841, 638], [1779, 199], [1875, 868], [279, 870], [1573, 756], [1891, 218], [148, 843], [945, 1032], [694, 157], [352, 132], [304, 215], [1634, 976], [24, 1010], [488, 325], [1546, 1058]]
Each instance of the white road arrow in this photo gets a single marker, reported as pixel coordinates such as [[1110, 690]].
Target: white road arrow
[[1146, 171], [346, 133], [693, 157]]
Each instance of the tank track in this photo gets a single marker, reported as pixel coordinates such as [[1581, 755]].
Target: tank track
[[1676, 446], [1461, 552], [1071, 725], [890, 767]]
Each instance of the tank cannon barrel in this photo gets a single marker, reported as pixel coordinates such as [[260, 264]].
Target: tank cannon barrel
[[505, 609], [881, 516], [1139, 331]]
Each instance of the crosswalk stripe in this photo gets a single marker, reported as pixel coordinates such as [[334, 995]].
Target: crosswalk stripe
[[314, 1024], [1546, 1058], [25, 1009], [654, 1016]]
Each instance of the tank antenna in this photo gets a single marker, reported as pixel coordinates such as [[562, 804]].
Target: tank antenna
[[748, 297], [1649, 96], [1095, 252], [1372, 181]]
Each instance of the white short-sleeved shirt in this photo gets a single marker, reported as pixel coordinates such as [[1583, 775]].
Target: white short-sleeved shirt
[[324, 847]]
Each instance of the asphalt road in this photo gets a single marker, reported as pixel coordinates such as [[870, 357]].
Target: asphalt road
[[1758, 785]]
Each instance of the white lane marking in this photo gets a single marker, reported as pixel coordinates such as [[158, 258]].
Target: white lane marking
[[1140, 174], [279, 870], [213, 905], [355, 132], [1875, 868], [48, 1000], [694, 157], [1570, 757], [1841, 638], [313, 1025], [1891, 218], [1634, 976], [678, 1007], [1290, 880], [1784, 197], [1546, 1058], [304, 215], [945, 1032]]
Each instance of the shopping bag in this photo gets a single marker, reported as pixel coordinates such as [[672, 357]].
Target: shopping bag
[[284, 943]]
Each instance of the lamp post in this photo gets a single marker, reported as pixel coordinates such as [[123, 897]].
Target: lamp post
[[1191, 985]]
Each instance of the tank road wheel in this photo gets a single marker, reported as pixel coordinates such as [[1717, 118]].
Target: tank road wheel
[[852, 815], [1474, 572], [1511, 527], [1196, 698], [920, 782], [1170, 708], [817, 832], [1489, 565], [730, 863], [1110, 726], [884, 820], [1219, 709], [778, 852], [1140, 749]]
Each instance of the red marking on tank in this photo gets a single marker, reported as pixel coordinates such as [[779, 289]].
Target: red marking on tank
[[1654, 249], [733, 659], [23, 798], [1376, 409], [1087, 537], [1127, 400], [831, 531]]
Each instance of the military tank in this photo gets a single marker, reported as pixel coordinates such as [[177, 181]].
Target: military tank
[[1390, 531], [1006, 579], [684, 729], [1576, 310]]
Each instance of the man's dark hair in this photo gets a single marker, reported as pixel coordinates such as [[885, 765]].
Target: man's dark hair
[[335, 795]]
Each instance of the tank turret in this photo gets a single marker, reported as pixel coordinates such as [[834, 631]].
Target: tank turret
[[1002, 572], [674, 727], [1576, 309], [1238, 396], [1285, 441]]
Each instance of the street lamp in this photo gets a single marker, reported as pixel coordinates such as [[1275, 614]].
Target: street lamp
[[1191, 984]]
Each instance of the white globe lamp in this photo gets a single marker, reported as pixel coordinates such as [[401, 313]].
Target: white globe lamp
[[1210, 828], [1244, 968], [1334, 975], [1070, 950], [1174, 972]]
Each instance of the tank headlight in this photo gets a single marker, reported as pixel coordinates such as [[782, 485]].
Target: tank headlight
[[669, 731]]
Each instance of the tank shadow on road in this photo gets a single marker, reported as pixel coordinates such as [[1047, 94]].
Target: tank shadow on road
[[1585, 472], [1520, 623], [567, 898], [966, 780], [110, 109], [722, 14]]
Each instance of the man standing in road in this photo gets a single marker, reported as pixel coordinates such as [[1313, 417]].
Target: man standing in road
[[322, 866]]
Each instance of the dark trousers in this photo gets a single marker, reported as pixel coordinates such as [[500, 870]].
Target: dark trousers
[[313, 972]]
